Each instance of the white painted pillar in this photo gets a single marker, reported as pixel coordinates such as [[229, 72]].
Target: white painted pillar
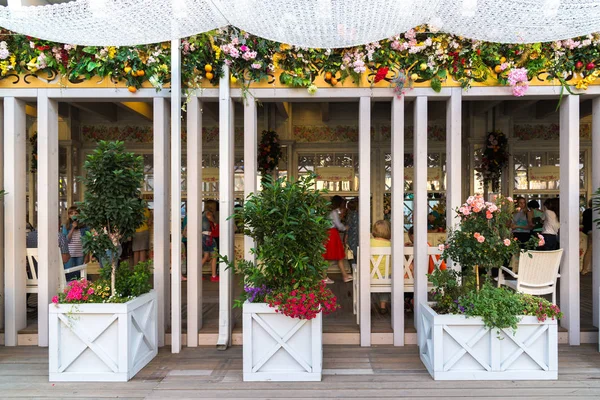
[[15, 137], [49, 261], [596, 214], [226, 197], [250, 161], [194, 220], [175, 196], [2, 295], [70, 182], [161, 154], [454, 166], [421, 264], [569, 216], [364, 218], [398, 220]]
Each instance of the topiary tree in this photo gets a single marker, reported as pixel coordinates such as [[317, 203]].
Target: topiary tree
[[112, 207]]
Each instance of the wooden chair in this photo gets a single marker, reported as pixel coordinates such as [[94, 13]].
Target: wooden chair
[[32, 276], [381, 282], [538, 272]]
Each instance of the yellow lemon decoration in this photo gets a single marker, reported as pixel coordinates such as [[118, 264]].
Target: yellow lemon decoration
[[208, 68]]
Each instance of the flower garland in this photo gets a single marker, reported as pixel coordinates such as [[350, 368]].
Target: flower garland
[[418, 55], [494, 159], [269, 152]]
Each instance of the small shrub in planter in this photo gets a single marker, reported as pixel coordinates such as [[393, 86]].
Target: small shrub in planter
[[288, 222], [486, 332], [106, 330]]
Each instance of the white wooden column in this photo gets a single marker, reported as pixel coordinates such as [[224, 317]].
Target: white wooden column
[[569, 216], [421, 264], [596, 214], [175, 196], [47, 200], [194, 220], [226, 234], [250, 161], [453, 157], [397, 149], [70, 182], [15, 137], [364, 218], [2, 295], [161, 154]]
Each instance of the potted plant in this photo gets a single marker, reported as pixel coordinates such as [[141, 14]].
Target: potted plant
[[284, 293], [106, 330], [475, 331]]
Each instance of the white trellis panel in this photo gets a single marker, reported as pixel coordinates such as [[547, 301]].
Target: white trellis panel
[[281, 348], [102, 342], [455, 347]]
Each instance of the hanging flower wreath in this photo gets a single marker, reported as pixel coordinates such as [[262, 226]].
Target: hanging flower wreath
[[34, 154], [494, 159], [269, 152]]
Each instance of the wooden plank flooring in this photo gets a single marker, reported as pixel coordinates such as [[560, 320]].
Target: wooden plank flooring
[[349, 372]]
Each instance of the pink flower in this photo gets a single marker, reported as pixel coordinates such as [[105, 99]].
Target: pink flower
[[489, 215], [55, 299], [493, 208], [509, 199], [244, 47], [476, 235], [517, 79], [507, 242], [481, 239], [541, 243], [466, 211], [441, 247]]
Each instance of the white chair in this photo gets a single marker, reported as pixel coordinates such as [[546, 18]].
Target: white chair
[[409, 256], [538, 272], [32, 276]]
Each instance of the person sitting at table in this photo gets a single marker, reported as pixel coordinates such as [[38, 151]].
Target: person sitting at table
[[520, 226], [382, 233], [433, 259]]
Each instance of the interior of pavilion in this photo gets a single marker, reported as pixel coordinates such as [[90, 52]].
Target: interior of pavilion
[[322, 137]]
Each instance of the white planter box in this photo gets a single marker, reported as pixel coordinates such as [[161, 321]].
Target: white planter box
[[281, 348], [102, 342], [454, 347]]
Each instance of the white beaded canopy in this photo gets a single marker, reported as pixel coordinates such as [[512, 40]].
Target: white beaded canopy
[[307, 23]]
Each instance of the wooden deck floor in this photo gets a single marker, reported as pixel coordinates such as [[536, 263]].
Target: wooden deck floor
[[349, 372]]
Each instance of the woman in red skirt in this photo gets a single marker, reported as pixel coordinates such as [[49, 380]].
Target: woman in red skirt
[[334, 249]]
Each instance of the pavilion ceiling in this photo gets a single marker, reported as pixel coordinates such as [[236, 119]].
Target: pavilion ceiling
[[308, 23]]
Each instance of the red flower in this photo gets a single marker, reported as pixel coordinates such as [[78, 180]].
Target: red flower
[[381, 73]]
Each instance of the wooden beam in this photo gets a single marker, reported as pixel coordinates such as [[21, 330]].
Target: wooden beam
[[47, 200], [545, 108], [139, 107], [194, 221], [569, 216], [596, 214], [364, 216], [397, 147], [325, 112], [107, 111], [482, 107]]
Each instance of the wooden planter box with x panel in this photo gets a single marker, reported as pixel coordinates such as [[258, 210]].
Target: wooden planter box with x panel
[[454, 347], [102, 342], [281, 348]]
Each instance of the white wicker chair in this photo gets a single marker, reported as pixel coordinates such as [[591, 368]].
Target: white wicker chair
[[538, 272]]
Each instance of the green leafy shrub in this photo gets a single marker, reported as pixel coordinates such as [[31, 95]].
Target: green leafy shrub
[[288, 222], [131, 281]]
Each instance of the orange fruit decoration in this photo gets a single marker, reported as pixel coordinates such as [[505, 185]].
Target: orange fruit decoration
[[327, 76], [141, 73], [132, 89], [334, 81], [209, 76]]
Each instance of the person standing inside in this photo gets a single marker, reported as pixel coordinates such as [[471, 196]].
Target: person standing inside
[[334, 249], [209, 245], [74, 233], [352, 222], [141, 239], [588, 228], [551, 224], [520, 225], [535, 217]]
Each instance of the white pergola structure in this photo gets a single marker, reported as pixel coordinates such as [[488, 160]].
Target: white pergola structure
[[167, 193]]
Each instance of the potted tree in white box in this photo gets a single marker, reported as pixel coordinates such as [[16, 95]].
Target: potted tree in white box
[[284, 293], [106, 330], [486, 333]]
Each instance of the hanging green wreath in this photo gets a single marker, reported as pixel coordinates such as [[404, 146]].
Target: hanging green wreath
[[34, 154], [494, 159], [269, 152]]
